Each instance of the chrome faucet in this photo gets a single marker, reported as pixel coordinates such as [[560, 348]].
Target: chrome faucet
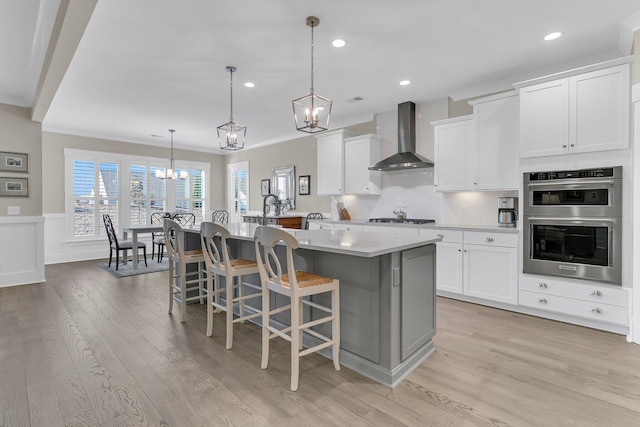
[[276, 202]]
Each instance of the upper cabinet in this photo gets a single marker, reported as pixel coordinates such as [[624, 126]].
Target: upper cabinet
[[331, 161], [360, 152], [576, 114], [453, 161]]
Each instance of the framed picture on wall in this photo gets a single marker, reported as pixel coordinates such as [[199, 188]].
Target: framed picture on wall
[[304, 188], [265, 186], [14, 187], [14, 162]]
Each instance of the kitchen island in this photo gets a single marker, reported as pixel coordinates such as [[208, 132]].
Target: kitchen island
[[387, 294]]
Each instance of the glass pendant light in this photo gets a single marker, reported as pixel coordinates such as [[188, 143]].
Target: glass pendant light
[[312, 112], [171, 173], [231, 135]]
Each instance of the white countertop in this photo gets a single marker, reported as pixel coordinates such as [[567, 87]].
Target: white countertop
[[357, 243], [462, 227]]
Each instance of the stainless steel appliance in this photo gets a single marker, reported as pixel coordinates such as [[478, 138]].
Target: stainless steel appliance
[[507, 211], [403, 220], [573, 222]]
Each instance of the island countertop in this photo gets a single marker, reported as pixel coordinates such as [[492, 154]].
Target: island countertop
[[357, 243]]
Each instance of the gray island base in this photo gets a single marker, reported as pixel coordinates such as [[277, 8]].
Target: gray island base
[[387, 295]]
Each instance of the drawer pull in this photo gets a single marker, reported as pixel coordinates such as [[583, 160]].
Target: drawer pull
[[542, 300], [596, 310], [489, 239], [440, 235], [542, 285], [596, 293]]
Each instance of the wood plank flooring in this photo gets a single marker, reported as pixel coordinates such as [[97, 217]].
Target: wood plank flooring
[[87, 349]]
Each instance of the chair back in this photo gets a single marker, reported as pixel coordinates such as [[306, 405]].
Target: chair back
[[171, 232], [269, 266], [312, 215], [187, 219], [220, 216], [215, 254], [111, 232]]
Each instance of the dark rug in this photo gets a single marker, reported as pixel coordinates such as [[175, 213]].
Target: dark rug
[[126, 270]]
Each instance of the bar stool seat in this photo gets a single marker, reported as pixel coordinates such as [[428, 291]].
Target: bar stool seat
[[181, 281], [296, 286], [219, 264]]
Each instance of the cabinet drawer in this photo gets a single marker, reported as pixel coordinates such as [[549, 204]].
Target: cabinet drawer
[[451, 236], [590, 310], [594, 293], [491, 239]]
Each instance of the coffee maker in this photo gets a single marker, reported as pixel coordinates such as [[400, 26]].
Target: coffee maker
[[507, 211]]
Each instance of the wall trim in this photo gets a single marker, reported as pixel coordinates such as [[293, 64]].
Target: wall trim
[[22, 262]]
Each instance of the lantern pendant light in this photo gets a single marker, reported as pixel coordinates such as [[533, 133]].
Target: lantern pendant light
[[231, 135], [171, 173], [312, 112]]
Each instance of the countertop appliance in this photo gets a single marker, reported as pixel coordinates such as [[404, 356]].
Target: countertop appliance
[[403, 220], [573, 224], [507, 211]]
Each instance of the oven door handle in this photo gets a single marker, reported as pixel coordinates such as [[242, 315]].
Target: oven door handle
[[576, 219], [571, 182]]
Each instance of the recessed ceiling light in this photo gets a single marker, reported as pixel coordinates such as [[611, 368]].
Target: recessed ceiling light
[[249, 84], [338, 43], [552, 36], [405, 83]]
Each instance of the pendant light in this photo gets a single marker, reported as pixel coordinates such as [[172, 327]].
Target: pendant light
[[312, 112], [231, 135], [171, 173]]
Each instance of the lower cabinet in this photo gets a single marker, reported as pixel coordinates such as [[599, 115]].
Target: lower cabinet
[[477, 264], [601, 302]]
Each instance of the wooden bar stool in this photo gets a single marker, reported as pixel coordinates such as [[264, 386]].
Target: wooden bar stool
[[296, 286], [179, 278], [219, 263]]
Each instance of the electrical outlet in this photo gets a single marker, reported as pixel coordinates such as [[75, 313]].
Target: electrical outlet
[[396, 276], [13, 210]]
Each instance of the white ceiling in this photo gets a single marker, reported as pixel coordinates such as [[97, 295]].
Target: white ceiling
[[145, 66]]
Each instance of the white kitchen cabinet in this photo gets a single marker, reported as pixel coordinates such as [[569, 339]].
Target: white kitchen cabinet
[[589, 300], [330, 149], [453, 157], [448, 258], [360, 152], [576, 114], [495, 148]]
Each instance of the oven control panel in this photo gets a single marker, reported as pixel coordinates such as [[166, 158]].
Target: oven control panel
[[582, 173]]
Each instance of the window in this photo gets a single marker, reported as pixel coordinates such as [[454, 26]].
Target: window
[[126, 188], [237, 190]]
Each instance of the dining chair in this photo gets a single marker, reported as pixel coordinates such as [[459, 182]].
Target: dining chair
[[119, 245], [312, 215], [220, 216], [186, 219], [296, 285], [158, 238], [233, 293], [181, 283]]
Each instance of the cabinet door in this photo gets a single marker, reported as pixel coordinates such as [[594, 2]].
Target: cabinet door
[[497, 134], [360, 153], [449, 267], [454, 169], [490, 272], [330, 165], [599, 117], [544, 119]]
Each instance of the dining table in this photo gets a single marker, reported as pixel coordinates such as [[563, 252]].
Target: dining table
[[135, 230]]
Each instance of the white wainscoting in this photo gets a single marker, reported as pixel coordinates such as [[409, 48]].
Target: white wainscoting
[[22, 250]]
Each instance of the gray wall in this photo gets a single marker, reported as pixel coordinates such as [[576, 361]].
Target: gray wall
[[53, 145], [300, 153], [19, 134]]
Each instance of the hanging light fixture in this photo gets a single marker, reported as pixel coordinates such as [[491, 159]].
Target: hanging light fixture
[[171, 173], [231, 135], [312, 112]]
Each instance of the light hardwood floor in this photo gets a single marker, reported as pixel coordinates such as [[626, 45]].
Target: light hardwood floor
[[86, 349]]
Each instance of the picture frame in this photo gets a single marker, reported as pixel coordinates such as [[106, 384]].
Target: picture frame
[[14, 162], [14, 187], [265, 187], [304, 185]]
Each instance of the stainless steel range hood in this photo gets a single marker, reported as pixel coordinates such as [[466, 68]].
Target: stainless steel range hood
[[406, 157]]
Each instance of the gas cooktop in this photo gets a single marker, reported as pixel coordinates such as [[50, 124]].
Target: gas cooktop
[[403, 220]]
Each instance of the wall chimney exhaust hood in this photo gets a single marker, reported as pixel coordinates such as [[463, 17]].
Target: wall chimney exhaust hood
[[406, 157]]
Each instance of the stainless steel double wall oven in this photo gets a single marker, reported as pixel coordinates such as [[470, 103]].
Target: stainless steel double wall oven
[[573, 222]]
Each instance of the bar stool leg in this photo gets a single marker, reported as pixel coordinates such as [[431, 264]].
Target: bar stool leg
[[335, 327], [265, 330], [210, 299], [240, 297], [295, 343], [183, 291], [229, 313], [171, 279]]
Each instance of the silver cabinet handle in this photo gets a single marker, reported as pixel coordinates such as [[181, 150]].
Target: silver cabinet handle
[[595, 293], [542, 285], [489, 239], [596, 310], [542, 300], [440, 235], [564, 145]]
